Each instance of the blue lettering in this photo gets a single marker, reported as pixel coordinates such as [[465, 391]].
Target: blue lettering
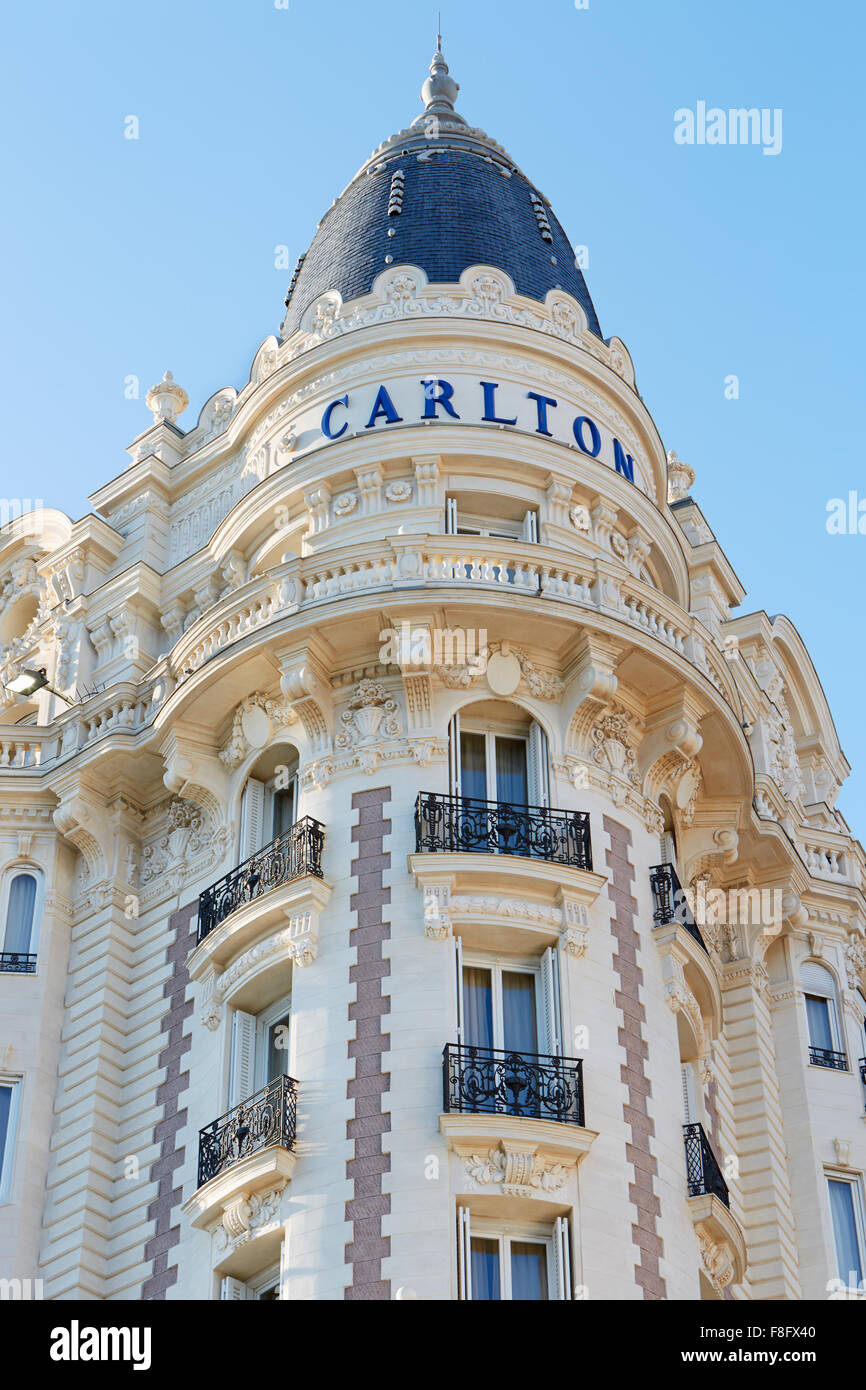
[[326, 419], [542, 402], [624, 462], [432, 401], [580, 422], [383, 409], [489, 389]]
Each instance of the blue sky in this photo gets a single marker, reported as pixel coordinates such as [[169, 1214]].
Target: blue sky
[[126, 257]]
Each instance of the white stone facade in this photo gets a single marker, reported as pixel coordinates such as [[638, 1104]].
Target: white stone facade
[[221, 615]]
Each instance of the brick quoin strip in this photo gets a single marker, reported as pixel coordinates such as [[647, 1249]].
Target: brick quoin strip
[[176, 1082], [368, 1247], [635, 1114]]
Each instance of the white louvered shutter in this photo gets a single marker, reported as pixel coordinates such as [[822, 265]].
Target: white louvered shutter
[[458, 980], [562, 1286], [537, 767], [454, 755], [530, 527], [667, 849], [551, 1005], [252, 818], [234, 1289], [464, 1254], [243, 1063], [690, 1115], [451, 516]]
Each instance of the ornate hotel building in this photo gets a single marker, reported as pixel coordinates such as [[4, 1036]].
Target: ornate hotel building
[[416, 880]]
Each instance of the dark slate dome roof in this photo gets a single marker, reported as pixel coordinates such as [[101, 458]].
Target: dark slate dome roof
[[450, 197]]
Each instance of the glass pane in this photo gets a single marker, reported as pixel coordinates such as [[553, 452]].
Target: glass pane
[[284, 811], [528, 1271], [473, 766], [5, 1107], [511, 780], [278, 1049], [484, 1259], [518, 1012], [19, 914], [477, 1006], [269, 1294], [845, 1231], [818, 1015]]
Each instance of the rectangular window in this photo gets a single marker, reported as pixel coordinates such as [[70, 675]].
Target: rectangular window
[[846, 1207], [819, 1020], [514, 1263], [9, 1092]]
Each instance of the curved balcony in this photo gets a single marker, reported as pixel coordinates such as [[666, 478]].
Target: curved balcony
[[458, 824], [490, 1081], [290, 856], [248, 1150], [670, 903], [703, 1174]]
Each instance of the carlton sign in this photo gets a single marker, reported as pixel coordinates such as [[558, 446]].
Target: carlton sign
[[472, 402]]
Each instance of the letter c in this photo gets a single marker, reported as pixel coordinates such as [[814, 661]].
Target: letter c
[[326, 418]]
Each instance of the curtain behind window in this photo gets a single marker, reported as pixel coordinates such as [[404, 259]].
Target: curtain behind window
[[845, 1231], [818, 1016], [477, 1006], [5, 1107], [19, 914], [485, 1269], [528, 1271]]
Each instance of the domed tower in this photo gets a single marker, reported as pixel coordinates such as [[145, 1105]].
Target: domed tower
[[457, 879]]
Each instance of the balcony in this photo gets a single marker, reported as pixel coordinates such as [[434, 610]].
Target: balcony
[[862, 1065], [268, 1119], [826, 1057], [294, 855], [489, 1081], [17, 963], [670, 903], [462, 825], [703, 1174]]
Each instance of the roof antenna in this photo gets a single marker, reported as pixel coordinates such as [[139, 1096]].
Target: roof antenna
[[439, 32]]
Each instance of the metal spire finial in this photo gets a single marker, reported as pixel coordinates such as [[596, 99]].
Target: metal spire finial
[[440, 90]]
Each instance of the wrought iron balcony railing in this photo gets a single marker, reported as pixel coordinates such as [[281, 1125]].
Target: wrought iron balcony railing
[[267, 1118], [460, 824], [703, 1173], [670, 903], [17, 963], [826, 1057], [292, 855], [863, 1075], [488, 1081]]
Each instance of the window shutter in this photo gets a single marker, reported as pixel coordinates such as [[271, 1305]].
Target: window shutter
[[530, 527], [464, 1254], [252, 818], [818, 980], [562, 1259], [688, 1081], [234, 1289], [242, 1072], [537, 767], [451, 516], [454, 755], [667, 849], [458, 978], [552, 1022]]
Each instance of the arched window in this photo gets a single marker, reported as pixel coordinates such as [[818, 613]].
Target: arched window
[[20, 920], [499, 754], [269, 806], [822, 1017]]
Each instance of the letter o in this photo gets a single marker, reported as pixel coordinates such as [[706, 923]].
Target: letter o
[[594, 435]]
